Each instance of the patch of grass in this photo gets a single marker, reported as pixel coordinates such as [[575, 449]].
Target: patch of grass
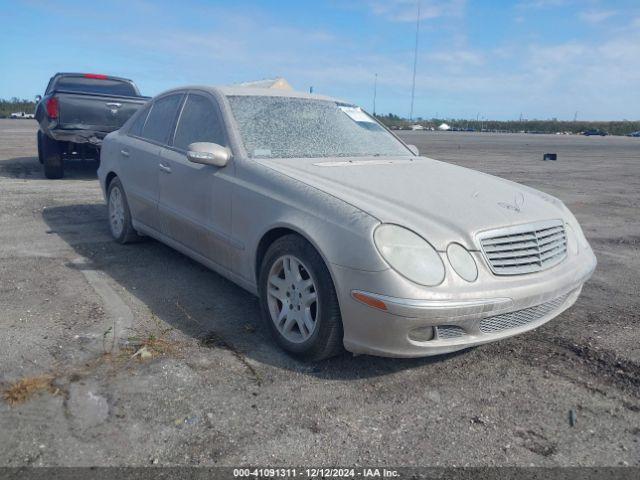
[[157, 346], [154, 341], [147, 342], [25, 388]]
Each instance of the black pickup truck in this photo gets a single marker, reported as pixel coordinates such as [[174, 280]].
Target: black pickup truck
[[77, 111]]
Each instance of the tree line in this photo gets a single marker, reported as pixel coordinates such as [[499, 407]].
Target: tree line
[[620, 127], [7, 107]]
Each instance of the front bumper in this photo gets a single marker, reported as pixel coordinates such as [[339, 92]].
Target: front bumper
[[456, 314]]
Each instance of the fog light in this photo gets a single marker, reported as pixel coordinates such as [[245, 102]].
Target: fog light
[[421, 334]]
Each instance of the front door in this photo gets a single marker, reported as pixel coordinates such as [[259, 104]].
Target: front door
[[195, 199]]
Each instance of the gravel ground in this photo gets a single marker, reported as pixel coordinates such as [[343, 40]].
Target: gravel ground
[[218, 392]]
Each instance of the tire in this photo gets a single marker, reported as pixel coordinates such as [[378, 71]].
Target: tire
[[310, 330], [40, 153], [52, 157], [119, 215]]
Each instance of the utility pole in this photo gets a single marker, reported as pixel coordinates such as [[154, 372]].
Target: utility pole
[[415, 61], [575, 116], [375, 91]]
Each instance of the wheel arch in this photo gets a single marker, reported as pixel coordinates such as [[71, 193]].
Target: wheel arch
[[108, 179], [274, 233]]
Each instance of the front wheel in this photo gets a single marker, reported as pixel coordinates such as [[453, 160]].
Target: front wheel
[[119, 214], [298, 300]]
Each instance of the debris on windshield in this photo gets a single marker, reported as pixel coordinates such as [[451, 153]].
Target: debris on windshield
[[292, 127]]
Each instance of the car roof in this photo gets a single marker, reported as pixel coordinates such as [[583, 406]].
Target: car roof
[[230, 91]]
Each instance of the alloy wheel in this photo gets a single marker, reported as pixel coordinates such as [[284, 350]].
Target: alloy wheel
[[292, 297], [116, 212]]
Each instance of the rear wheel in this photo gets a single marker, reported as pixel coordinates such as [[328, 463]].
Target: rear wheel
[[51, 157], [40, 153], [298, 300], [119, 214]]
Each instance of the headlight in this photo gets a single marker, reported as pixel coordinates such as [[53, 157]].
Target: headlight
[[577, 229], [409, 254], [462, 262], [572, 240], [582, 239]]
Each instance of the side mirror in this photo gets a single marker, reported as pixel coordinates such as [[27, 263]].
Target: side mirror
[[38, 98], [208, 154], [414, 149]]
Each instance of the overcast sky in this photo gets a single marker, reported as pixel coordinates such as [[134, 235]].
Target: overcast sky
[[496, 59]]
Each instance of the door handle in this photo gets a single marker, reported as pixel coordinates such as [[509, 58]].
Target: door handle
[[164, 168], [124, 153], [114, 105]]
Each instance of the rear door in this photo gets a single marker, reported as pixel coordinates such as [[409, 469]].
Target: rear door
[[140, 157], [195, 199]]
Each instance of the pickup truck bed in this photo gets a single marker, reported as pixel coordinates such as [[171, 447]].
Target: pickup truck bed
[[77, 112]]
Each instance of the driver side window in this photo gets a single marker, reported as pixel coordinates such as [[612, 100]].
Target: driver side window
[[160, 120], [199, 122]]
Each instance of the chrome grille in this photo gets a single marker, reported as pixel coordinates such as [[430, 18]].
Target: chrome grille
[[506, 321], [522, 317], [524, 248]]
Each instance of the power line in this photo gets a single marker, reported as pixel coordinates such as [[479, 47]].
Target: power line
[[415, 61], [375, 91]]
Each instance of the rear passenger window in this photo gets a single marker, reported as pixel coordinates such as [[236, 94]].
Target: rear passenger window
[[198, 122], [160, 120], [138, 122]]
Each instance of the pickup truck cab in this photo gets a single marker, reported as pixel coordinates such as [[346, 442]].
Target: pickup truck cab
[[77, 111]]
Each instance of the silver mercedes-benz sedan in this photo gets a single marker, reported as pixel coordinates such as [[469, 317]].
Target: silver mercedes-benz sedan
[[349, 237]]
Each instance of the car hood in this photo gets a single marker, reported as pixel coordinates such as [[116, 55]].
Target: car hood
[[441, 202]]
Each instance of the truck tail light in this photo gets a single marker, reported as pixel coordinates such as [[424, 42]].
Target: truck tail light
[[97, 76], [52, 107]]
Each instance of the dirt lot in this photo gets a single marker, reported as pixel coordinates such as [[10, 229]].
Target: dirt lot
[[216, 391]]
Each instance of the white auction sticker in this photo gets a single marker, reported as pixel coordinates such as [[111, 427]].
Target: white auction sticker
[[356, 114]]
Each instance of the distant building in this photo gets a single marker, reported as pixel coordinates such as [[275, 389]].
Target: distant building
[[444, 127], [277, 83]]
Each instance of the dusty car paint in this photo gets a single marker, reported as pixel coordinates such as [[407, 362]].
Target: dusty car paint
[[222, 216]]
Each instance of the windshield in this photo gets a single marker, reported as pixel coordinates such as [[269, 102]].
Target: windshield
[[286, 127]]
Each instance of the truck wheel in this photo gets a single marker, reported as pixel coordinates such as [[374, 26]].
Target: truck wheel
[[40, 154], [298, 300], [119, 214], [52, 158]]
